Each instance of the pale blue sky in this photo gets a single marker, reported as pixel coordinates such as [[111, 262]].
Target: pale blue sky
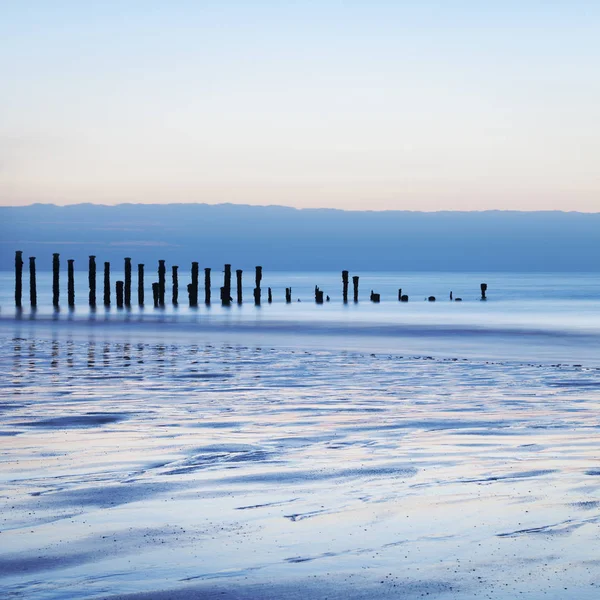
[[402, 105]]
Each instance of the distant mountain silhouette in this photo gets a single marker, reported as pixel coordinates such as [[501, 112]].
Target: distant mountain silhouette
[[281, 238]]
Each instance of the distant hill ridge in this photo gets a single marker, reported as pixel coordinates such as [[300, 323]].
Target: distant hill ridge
[[286, 238]]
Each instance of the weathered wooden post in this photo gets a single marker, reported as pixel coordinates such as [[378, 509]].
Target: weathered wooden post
[[269, 296], [375, 297], [318, 295], [161, 282], [226, 289], [399, 294], [92, 281], [207, 286], [404, 298], [71, 282], [119, 291], [190, 291], [156, 294], [140, 284], [257, 279], [127, 289], [431, 299], [355, 284], [345, 286], [288, 295], [55, 279], [175, 285], [450, 295], [483, 291], [106, 284], [238, 276], [193, 296], [32, 282], [19, 278]]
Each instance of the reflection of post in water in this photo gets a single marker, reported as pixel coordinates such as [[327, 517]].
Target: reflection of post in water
[[17, 361], [126, 354], [55, 352], [91, 355], [70, 353], [140, 354], [160, 359], [31, 357], [106, 355]]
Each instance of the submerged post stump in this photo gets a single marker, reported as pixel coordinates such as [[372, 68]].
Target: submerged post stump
[[175, 297], [404, 298], [345, 286], [375, 297], [106, 284], [119, 290], [71, 283], [193, 296], [19, 278], [161, 282], [55, 279], [226, 289], [483, 287], [355, 284], [238, 277], [156, 294], [288, 295], [207, 286], [92, 281], [257, 280], [269, 296], [32, 283], [140, 284], [431, 299], [127, 287]]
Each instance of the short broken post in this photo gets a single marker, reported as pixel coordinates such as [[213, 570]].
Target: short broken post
[[318, 295], [140, 284], [32, 283], [55, 279], [119, 290], [483, 287], [207, 286], [71, 283], [156, 294], [161, 282], [238, 277], [127, 287], [19, 278], [269, 296], [355, 284], [92, 281], [288, 295], [375, 297], [175, 297], [345, 286], [106, 284]]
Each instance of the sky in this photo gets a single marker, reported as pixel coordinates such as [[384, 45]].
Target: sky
[[420, 105]]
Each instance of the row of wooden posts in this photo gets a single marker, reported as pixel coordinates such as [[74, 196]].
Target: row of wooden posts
[[123, 288]]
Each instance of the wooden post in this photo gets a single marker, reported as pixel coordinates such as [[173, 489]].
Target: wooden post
[[71, 283], [431, 299], [55, 279], [106, 284], [161, 282], [92, 281], [32, 282], [156, 294], [355, 284], [175, 285], [127, 289], [288, 295], [19, 278], [483, 291], [193, 297], [257, 280], [119, 290], [238, 276], [190, 291], [207, 286], [269, 296], [226, 289], [140, 284], [404, 298], [318, 295], [399, 294], [345, 286], [375, 297]]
